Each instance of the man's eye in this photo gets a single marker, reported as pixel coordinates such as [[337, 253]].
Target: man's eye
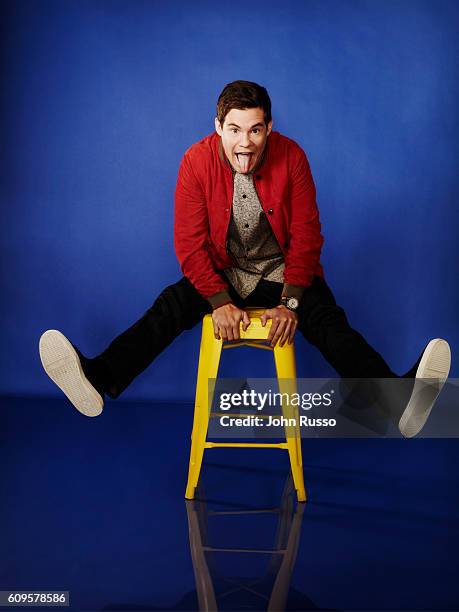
[[234, 130], [256, 131]]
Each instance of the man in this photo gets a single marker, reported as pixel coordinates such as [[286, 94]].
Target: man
[[247, 233]]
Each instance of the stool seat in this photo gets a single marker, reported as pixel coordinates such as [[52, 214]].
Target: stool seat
[[209, 360]]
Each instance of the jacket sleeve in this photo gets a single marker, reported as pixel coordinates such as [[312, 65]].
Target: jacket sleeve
[[305, 239], [191, 234]]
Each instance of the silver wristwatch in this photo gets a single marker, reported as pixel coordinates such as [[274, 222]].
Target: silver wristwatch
[[291, 303]]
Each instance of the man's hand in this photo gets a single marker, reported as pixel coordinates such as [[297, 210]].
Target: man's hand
[[283, 326], [226, 321]]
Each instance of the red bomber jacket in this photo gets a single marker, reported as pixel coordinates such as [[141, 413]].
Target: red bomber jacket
[[203, 203]]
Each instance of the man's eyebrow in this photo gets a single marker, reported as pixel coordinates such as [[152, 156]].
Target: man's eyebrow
[[253, 126]]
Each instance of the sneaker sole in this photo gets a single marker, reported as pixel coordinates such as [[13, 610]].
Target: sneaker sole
[[435, 364], [63, 366]]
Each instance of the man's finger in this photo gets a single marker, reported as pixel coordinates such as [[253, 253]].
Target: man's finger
[[236, 330], [229, 332], [274, 327], [216, 331], [286, 333], [245, 321], [223, 333], [292, 332], [278, 334]]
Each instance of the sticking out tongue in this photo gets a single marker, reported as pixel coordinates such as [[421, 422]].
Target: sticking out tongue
[[244, 161]]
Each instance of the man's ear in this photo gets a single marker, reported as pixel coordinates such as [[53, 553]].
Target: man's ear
[[218, 127], [270, 127]]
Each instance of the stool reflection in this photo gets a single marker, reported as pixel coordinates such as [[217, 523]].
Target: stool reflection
[[281, 562]]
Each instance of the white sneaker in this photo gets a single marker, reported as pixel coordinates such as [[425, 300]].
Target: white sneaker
[[434, 365], [62, 364]]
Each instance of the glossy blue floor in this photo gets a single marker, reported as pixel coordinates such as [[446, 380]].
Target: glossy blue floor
[[96, 507]]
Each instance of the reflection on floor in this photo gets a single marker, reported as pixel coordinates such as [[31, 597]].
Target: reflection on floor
[[96, 507], [235, 592]]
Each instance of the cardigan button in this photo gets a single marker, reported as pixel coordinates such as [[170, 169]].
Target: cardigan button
[[258, 177], [285, 245], [270, 211]]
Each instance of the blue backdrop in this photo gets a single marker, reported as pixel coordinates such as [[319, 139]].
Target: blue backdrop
[[99, 100]]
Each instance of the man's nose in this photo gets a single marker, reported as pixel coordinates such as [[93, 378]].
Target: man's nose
[[245, 140]]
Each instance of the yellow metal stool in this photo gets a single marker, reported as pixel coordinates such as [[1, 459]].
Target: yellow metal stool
[[209, 360]]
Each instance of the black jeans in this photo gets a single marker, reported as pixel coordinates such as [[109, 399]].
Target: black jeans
[[321, 321]]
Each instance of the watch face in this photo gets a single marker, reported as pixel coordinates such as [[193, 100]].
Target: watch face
[[292, 303]]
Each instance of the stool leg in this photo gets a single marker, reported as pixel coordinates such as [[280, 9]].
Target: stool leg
[[209, 359], [284, 358]]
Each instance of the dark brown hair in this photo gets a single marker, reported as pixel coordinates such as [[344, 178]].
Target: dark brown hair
[[242, 95]]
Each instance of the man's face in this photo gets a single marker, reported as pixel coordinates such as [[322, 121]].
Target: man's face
[[244, 135]]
